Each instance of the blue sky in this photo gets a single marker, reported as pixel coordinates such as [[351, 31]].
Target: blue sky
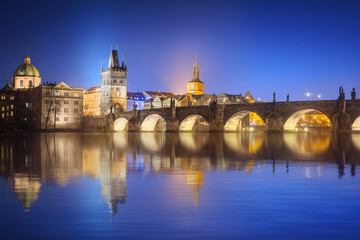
[[258, 46]]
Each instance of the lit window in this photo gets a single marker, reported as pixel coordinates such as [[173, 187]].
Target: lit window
[[2, 97], [2, 115], [27, 104], [11, 113], [76, 94], [12, 98], [12, 106], [2, 108], [57, 93]]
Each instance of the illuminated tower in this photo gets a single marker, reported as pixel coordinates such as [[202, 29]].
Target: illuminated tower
[[26, 76], [113, 85], [195, 86]]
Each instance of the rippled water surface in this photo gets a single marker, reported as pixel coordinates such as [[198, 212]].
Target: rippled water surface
[[179, 186]]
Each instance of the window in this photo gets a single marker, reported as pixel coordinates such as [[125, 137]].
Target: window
[[11, 113], [2, 115], [76, 102], [66, 94], [57, 119], [76, 94], [30, 84], [27, 104], [46, 102], [57, 101], [76, 119], [7, 107], [21, 83], [66, 119], [2, 97], [12, 97], [66, 110], [56, 93], [47, 93], [11, 106], [121, 81], [66, 101], [2, 108], [115, 81], [76, 110]]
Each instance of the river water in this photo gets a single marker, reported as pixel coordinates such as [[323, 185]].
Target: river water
[[179, 186]]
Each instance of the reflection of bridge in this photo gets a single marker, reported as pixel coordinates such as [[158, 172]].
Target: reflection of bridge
[[278, 116]]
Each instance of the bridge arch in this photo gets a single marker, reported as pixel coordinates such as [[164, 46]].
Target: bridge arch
[[293, 119], [194, 122], [121, 124], [356, 124], [234, 122], [153, 123]]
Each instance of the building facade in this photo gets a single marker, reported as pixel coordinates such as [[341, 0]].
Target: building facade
[[57, 106], [15, 109], [113, 86], [92, 101]]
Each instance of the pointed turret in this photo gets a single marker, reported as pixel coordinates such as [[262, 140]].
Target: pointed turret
[[114, 60], [196, 71], [195, 86]]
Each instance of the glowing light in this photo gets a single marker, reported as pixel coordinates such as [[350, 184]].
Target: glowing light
[[306, 129], [259, 99], [251, 129], [308, 94], [319, 95]]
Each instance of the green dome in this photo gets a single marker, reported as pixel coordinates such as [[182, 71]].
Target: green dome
[[26, 69]]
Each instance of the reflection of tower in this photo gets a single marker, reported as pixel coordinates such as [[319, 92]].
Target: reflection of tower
[[196, 179], [113, 179]]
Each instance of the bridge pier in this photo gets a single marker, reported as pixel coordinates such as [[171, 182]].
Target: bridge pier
[[134, 125], [216, 117], [172, 125], [341, 122], [274, 122]]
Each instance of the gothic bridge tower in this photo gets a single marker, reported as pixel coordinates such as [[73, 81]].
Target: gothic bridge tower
[[113, 85]]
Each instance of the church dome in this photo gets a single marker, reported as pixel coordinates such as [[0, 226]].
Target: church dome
[[26, 69]]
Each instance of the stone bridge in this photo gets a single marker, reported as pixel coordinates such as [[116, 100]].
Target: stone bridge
[[344, 115]]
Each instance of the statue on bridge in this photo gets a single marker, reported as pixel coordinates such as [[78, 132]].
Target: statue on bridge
[[274, 97], [287, 98], [353, 94], [341, 94]]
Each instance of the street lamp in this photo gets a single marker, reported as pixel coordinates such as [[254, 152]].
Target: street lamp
[[308, 95], [319, 96]]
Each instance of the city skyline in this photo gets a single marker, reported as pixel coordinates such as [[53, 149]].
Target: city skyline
[[258, 46]]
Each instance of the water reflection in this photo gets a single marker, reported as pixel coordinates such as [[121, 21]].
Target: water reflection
[[28, 161]]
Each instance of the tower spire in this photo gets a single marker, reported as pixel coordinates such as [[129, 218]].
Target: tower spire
[[196, 70], [114, 60], [7, 77]]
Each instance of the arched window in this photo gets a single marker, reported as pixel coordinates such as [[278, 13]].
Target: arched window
[[21, 83], [30, 84]]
